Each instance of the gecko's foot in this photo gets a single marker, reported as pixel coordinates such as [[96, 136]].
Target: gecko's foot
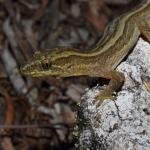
[[102, 96]]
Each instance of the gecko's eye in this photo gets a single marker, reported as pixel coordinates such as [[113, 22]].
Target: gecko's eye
[[45, 65]]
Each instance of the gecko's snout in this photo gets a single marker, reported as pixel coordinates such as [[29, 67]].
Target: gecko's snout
[[25, 69]]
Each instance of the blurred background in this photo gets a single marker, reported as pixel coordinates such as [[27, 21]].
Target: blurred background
[[40, 113]]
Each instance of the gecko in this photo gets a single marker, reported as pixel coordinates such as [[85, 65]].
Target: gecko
[[118, 39]]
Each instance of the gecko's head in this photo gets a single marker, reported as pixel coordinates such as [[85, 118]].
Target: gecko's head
[[51, 63]]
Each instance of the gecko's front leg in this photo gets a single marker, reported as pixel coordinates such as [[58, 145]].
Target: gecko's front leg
[[115, 83]]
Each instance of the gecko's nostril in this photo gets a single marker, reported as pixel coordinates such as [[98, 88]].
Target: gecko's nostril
[[25, 69], [22, 70]]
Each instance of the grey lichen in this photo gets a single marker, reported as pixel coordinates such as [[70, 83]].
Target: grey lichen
[[124, 123]]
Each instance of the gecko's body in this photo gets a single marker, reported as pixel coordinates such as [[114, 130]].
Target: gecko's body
[[118, 39]]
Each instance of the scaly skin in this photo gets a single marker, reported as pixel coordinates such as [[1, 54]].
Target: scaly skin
[[118, 39]]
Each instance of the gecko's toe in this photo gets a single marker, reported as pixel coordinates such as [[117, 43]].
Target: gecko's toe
[[102, 96]]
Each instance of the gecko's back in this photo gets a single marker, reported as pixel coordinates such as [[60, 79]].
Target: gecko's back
[[118, 39]]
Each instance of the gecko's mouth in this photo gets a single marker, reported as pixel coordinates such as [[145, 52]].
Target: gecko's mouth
[[39, 69], [32, 73], [36, 73]]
